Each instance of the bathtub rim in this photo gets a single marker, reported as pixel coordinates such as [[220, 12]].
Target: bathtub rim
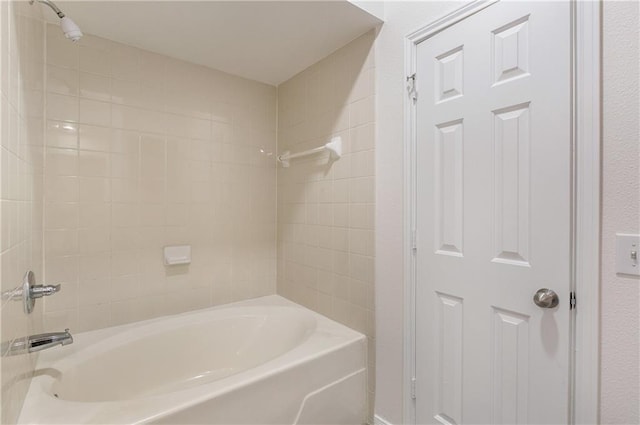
[[328, 337]]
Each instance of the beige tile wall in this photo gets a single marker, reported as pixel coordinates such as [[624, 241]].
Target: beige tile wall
[[326, 210], [21, 140], [144, 151], [140, 151]]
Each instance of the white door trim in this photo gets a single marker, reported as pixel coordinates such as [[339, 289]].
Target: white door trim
[[587, 117], [586, 125]]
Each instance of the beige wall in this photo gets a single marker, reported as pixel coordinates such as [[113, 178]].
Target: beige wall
[[144, 151], [21, 130], [326, 209], [620, 294]]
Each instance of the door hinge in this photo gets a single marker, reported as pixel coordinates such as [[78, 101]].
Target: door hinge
[[572, 300], [413, 388], [414, 241], [411, 87]]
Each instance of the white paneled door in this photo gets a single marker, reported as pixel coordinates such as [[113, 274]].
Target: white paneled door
[[493, 217]]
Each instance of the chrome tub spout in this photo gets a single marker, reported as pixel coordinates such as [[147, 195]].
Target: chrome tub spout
[[33, 343]]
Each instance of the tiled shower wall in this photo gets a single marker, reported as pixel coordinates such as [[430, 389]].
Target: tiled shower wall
[[140, 151], [325, 208], [144, 151], [21, 139]]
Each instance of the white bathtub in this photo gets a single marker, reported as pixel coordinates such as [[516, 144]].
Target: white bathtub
[[263, 361]]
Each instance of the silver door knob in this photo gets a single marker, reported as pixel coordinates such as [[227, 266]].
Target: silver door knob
[[546, 298]]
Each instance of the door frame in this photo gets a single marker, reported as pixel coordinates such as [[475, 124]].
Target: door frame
[[585, 205]]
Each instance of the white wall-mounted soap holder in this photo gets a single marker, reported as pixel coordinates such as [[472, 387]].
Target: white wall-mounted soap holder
[[176, 255]]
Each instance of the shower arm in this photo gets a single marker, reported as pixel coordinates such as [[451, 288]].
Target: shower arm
[[52, 5]]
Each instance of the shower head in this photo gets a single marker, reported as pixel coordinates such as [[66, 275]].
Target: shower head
[[69, 28]]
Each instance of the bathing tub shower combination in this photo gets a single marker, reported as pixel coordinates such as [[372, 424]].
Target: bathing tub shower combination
[[263, 361]]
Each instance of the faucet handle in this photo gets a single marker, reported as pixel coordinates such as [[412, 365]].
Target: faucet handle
[[39, 291], [28, 292]]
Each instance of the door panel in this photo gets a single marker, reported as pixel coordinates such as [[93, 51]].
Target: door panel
[[493, 217]]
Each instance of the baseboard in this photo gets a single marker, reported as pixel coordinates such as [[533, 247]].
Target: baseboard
[[379, 420]]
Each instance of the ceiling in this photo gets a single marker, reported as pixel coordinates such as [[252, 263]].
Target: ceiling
[[267, 41]]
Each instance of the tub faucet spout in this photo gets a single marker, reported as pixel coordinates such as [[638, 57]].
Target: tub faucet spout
[[33, 343]]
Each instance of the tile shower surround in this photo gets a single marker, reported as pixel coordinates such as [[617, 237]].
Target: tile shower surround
[[141, 150], [144, 151], [22, 47], [326, 210]]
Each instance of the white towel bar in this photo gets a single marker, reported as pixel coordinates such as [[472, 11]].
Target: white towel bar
[[334, 147]]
